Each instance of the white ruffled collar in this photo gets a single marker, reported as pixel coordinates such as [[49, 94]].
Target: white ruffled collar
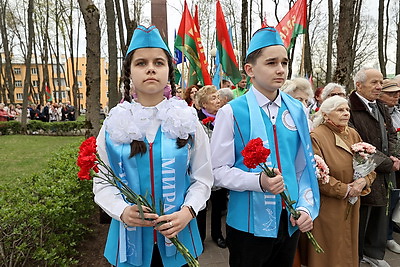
[[129, 121]]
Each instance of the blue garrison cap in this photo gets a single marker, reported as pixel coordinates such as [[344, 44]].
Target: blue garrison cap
[[264, 37], [146, 38]]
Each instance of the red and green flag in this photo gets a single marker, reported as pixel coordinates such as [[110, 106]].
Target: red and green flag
[[49, 95], [225, 49], [293, 23], [189, 42]]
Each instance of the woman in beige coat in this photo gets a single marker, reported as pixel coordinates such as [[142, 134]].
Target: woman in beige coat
[[337, 235]]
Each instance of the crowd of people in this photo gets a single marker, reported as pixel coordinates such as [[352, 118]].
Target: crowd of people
[[50, 112], [184, 146]]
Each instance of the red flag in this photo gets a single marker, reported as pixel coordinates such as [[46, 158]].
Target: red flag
[[196, 17], [293, 23], [49, 95], [225, 48], [189, 42]]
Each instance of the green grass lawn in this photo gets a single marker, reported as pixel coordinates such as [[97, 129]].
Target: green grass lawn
[[22, 155]]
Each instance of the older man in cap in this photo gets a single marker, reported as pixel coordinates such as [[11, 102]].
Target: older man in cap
[[260, 231], [371, 119], [390, 97]]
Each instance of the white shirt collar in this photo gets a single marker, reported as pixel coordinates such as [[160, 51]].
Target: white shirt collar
[[262, 100]]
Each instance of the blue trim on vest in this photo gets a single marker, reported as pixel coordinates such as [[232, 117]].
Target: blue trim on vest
[[139, 179], [241, 203]]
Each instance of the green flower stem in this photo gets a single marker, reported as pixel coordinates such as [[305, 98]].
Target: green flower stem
[[289, 206], [141, 201]]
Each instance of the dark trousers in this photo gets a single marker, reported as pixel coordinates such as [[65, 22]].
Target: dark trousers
[[394, 197], [202, 223], [246, 250], [218, 204], [373, 232]]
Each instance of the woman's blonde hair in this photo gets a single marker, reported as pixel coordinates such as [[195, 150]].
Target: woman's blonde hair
[[203, 93]]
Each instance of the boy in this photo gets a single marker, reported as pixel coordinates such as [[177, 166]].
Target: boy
[[260, 232]]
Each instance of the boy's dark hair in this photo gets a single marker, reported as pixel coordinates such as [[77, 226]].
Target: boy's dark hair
[[140, 146], [253, 56]]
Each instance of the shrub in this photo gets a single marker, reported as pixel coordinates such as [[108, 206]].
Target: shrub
[[42, 217], [44, 128]]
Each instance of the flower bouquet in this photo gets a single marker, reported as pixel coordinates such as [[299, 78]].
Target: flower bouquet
[[255, 154], [88, 160], [363, 164], [322, 170]]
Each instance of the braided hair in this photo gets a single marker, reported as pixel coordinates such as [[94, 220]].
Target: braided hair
[[140, 146]]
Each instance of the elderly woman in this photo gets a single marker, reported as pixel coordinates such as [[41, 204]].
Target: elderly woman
[[337, 232], [332, 89], [208, 100], [300, 89]]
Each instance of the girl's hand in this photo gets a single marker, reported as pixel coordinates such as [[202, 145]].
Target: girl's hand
[[173, 223], [131, 217]]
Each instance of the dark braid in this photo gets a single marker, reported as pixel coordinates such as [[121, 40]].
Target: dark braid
[[127, 77]]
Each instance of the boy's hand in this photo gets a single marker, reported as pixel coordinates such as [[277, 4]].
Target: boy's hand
[[273, 185], [304, 222]]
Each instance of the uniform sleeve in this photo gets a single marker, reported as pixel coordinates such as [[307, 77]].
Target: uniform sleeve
[[223, 156], [201, 174]]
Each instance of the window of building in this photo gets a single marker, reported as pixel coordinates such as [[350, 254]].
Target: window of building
[[18, 83], [35, 83], [20, 96], [63, 95], [79, 72], [79, 84], [80, 96], [17, 70], [34, 71]]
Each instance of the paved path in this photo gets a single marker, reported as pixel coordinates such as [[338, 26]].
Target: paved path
[[214, 256]]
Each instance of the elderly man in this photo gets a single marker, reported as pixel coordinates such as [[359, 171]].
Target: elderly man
[[390, 97], [372, 120]]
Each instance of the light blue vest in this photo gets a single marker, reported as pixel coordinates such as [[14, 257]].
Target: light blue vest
[[259, 213], [134, 246]]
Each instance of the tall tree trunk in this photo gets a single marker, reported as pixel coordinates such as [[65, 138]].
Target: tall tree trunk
[[113, 89], [307, 47], [28, 59], [381, 56], [345, 43], [398, 43], [330, 42], [9, 81], [91, 16], [159, 17], [244, 29]]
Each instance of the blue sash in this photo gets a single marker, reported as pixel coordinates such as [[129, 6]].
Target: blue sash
[[173, 184]]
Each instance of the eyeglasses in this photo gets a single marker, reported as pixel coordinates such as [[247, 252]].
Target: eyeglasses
[[339, 94]]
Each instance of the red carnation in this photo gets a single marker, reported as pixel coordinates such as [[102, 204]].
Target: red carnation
[[87, 159], [255, 153], [208, 120], [398, 130]]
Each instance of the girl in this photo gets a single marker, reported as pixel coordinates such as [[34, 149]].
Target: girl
[[160, 149]]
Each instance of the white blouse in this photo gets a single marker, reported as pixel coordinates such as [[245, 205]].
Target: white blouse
[[108, 197]]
